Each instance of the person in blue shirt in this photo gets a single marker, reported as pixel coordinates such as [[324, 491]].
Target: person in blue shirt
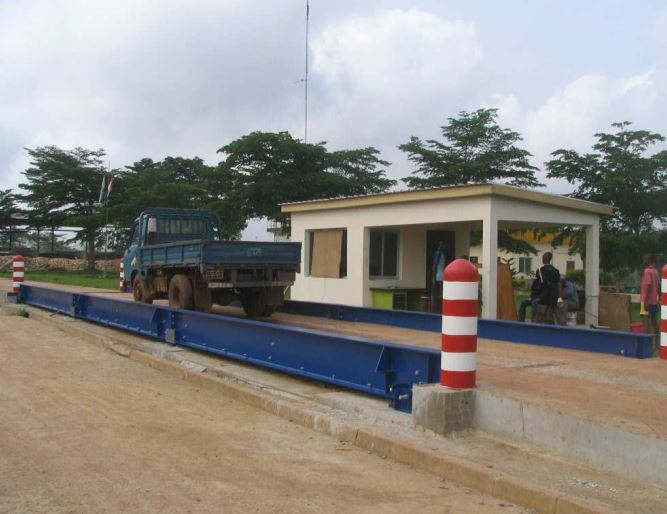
[[437, 272], [569, 297]]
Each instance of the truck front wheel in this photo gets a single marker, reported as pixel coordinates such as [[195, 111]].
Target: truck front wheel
[[140, 291], [180, 292]]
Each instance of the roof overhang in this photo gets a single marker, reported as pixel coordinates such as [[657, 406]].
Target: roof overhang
[[445, 193]]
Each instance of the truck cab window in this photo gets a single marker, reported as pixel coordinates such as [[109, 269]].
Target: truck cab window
[[134, 237]]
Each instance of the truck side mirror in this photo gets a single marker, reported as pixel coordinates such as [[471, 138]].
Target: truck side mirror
[[152, 225]]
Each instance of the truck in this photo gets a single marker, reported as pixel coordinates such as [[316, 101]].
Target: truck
[[178, 254]]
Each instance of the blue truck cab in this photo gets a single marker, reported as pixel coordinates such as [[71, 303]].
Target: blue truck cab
[[177, 254]]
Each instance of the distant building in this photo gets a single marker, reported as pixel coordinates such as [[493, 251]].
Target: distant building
[[276, 228], [525, 265]]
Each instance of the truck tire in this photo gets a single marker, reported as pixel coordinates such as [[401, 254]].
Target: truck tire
[[203, 298], [180, 292], [140, 291], [254, 302]]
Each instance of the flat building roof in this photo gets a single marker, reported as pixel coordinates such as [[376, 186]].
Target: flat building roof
[[444, 193]]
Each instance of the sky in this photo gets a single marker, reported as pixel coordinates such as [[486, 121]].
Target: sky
[[154, 78]]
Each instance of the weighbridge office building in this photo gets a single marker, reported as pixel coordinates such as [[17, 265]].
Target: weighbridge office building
[[364, 250]]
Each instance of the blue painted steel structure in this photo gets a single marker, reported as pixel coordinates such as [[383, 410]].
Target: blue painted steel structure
[[628, 344], [383, 369]]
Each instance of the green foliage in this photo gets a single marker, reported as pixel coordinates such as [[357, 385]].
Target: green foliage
[[620, 173], [618, 250], [264, 169], [62, 188], [506, 241], [7, 206], [578, 276], [475, 150]]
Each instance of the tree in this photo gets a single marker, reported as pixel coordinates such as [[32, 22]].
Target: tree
[[7, 210], [261, 170], [176, 182], [620, 173], [475, 150], [7, 206], [62, 188]]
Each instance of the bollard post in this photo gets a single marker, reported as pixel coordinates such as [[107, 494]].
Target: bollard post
[[663, 314], [18, 272], [121, 285], [460, 308]]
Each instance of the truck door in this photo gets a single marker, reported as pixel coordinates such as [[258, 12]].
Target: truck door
[[131, 257]]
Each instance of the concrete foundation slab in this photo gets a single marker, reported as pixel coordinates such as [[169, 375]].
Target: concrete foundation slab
[[442, 410]]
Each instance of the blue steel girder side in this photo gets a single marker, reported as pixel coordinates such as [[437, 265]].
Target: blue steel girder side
[[383, 369], [614, 342]]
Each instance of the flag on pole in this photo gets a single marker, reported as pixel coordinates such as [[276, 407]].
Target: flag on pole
[[109, 188], [103, 189]]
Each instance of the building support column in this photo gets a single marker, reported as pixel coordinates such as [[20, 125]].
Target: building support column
[[461, 242], [490, 265], [592, 268]]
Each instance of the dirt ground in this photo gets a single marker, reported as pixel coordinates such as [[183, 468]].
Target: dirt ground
[[616, 390], [84, 430]]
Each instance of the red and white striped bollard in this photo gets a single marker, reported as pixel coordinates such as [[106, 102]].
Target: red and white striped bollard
[[18, 272], [460, 309], [121, 285], [663, 314]]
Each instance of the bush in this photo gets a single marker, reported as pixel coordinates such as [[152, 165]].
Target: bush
[[578, 276]]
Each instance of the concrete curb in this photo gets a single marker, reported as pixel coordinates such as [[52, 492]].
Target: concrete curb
[[592, 443], [303, 412]]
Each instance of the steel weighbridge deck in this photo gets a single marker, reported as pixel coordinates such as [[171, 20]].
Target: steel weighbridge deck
[[374, 367]]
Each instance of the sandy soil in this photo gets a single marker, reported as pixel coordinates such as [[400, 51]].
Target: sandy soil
[[84, 430], [621, 391]]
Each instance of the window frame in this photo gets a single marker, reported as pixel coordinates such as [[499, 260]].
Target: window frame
[[382, 276], [529, 260]]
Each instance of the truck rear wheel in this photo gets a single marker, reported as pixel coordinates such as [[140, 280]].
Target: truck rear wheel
[[254, 301], [203, 298], [180, 292], [140, 291]]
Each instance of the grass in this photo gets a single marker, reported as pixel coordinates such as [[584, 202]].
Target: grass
[[71, 278]]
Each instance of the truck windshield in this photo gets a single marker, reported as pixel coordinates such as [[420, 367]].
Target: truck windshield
[[176, 229]]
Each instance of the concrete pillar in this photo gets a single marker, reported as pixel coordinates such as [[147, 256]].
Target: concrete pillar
[[462, 242], [490, 264], [592, 272]]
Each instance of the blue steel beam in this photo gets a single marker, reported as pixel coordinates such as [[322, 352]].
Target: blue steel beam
[[615, 342], [382, 369]]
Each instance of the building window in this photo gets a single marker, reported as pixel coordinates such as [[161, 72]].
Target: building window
[[383, 257], [569, 266], [327, 251], [525, 264]]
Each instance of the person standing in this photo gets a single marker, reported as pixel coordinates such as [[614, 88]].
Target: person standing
[[437, 274], [570, 299], [650, 296], [548, 291]]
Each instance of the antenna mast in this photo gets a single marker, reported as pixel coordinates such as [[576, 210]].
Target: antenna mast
[[305, 121]]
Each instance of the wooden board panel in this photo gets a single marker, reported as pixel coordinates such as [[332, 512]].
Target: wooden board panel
[[615, 311], [506, 308], [327, 245]]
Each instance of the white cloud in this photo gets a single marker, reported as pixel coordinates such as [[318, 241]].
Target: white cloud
[[143, 79], [391, 72], [570, 117]]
